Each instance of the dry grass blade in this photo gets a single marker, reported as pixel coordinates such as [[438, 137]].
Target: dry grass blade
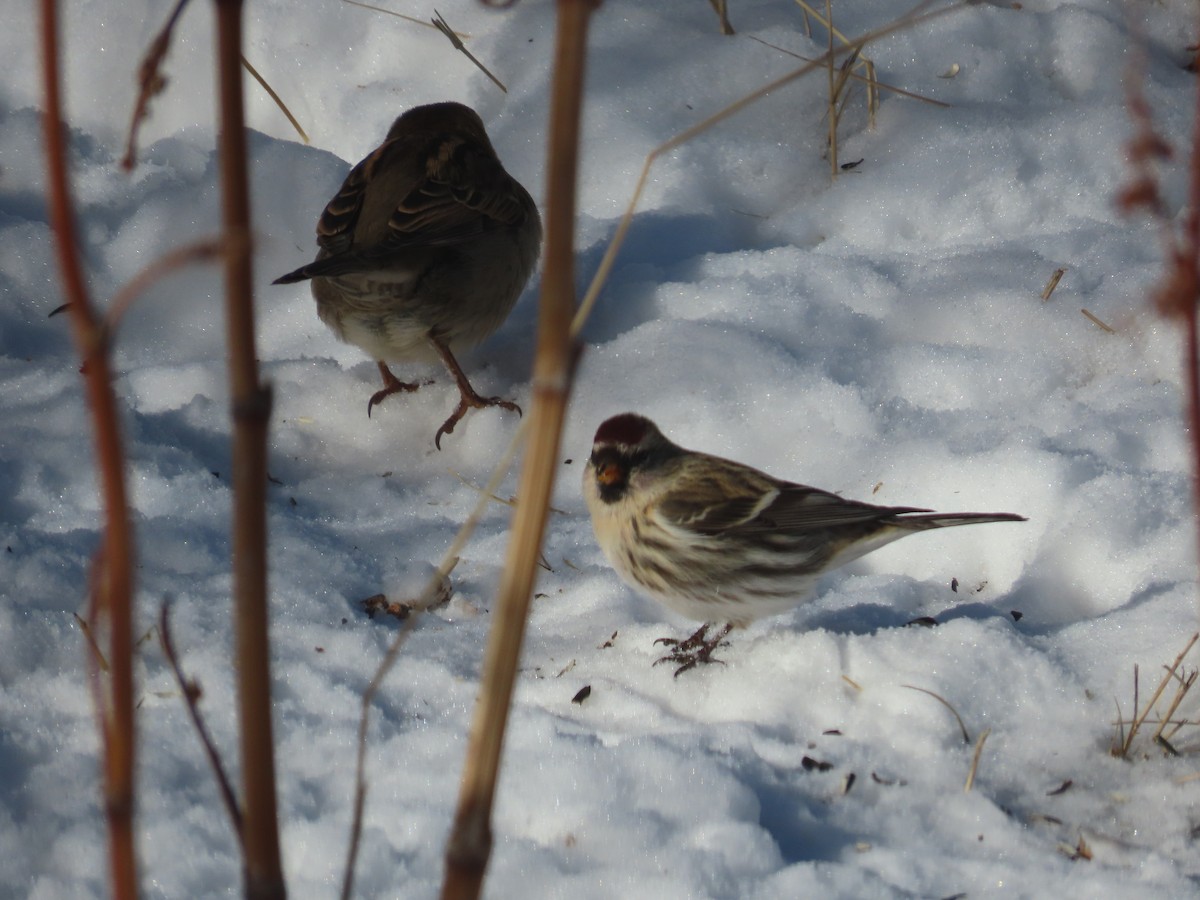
[[191, 696], [1055, 277], [975, 760], [97, 653], [841, 96], [871, 82], [511, 501], [868, 65], [1141, 716], [831, 112], [1117, 748], [274, 96], [946, 703], [151, 83], [440, 24], [422, 22], [1097, 322], [873, 86], [1181, 690]]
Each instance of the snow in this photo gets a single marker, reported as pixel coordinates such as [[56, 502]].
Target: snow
[[882, 336]]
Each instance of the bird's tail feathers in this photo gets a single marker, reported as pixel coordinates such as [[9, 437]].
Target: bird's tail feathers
[[947, 520], [300, 274]]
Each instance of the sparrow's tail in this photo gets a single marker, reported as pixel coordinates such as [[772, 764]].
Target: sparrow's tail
[[300, 274]]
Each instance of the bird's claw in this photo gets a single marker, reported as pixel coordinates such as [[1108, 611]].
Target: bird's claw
[[692, 651], [466, 402], [392, 385]]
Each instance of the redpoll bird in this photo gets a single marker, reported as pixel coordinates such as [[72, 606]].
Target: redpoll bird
[[425, 249], [719, 541]]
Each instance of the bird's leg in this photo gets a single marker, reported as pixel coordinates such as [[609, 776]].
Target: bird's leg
[[391, 385], [468, 399], [698, 648]]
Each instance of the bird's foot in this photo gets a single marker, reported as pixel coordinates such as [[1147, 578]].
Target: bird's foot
[[692, 651], [468, 399], [391, 385]]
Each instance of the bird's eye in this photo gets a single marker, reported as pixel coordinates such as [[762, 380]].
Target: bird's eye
[[610, 473]]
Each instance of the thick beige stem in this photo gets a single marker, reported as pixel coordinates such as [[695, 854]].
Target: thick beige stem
[[470, 842]]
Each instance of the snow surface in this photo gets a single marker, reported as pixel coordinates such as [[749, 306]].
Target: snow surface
[[882, 336]]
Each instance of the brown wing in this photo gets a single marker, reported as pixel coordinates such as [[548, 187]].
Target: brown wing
[[727, 498], [414, 190]]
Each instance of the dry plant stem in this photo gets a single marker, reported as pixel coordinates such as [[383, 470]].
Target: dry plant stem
[[827, 21], [970, 783], [360, 781], [840, 96], [97, 654], [440, 24], [1055, 278], [251, 407], [873, 93], [1181, 690], [833, 154], [113, 579], [274, 96], [874, 85], [191, 697], [469, 847], [720, 7], [1103, 326], [946, 703]]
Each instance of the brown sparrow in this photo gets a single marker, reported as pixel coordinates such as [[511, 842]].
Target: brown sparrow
[[425, 249], [719, 541]]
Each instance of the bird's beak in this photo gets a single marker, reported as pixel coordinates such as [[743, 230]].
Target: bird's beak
[[610, 473]]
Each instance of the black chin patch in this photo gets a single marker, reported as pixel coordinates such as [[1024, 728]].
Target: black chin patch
[[610, 468]]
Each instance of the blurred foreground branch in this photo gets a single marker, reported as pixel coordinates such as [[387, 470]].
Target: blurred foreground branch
[[112, 579], [251, 410], [469, 847]]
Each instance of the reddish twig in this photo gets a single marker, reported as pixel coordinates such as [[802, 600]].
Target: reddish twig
[[113, 586], [191, 697], [151, 83], [1177, 296], [1187, 282]]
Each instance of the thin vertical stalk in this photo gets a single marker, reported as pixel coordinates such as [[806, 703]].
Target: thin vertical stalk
[[113, 581], [1191, 362], [833, 111], [469, 847], [251, 407]]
